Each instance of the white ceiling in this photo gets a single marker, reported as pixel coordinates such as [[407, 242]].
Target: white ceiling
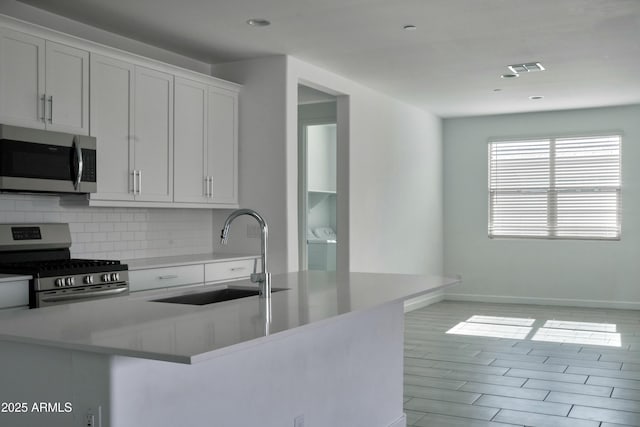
[[450, 65]]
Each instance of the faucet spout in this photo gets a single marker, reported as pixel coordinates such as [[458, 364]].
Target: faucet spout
[[264, 278]]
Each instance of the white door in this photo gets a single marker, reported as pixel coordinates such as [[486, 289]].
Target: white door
[[190, 137], [153, 140], [222, 147], [67, 89], [22, 79], [111, 120]]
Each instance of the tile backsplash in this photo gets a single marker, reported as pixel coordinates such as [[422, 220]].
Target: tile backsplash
[[117, 233]]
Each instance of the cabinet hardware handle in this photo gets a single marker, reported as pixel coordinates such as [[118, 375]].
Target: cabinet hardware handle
[[44, 108], [133, 181], [139, 182], [169, 276], [51, 109], [79, 163], [211, 187], [206, 186], [238, 268]]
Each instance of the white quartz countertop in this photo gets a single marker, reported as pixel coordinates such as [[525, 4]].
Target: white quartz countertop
[[13, 277], [136, 326], [172, 261]]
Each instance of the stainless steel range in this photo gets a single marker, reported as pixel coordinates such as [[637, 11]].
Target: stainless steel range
[[42, 251]]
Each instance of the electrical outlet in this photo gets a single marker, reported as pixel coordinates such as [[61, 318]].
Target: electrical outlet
[[298, 421], [90, 420], [253, 231]]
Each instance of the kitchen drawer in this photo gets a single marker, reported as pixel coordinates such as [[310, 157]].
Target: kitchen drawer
[[14, 294], [228, 270], [155, 278]]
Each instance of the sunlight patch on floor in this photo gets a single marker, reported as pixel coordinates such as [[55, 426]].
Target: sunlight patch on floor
[[559, 331]]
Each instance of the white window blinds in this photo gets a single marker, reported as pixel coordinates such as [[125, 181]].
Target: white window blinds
[[555, 188]]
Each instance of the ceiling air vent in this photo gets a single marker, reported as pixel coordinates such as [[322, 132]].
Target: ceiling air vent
[[529, 67]]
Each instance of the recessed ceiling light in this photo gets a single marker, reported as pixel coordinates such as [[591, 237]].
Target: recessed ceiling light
[[410, 27], [510, 76], [535, 97], [258, 22]]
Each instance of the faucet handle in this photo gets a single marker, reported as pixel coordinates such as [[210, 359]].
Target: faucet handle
[[258, 277]]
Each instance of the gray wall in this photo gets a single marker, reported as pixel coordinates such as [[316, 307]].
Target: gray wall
[[394, 172], [590, 273], [394, 191]]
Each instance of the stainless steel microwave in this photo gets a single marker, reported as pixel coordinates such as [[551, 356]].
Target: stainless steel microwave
[[35, 160]]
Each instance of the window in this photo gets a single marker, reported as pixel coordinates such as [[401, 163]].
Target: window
[[555, 188]]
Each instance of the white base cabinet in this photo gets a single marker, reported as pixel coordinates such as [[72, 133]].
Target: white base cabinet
[[192, 275], [14, 293], [165, 277]]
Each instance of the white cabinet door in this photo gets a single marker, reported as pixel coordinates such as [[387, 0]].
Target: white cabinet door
[[165, 277], [43, 84], [22, 79], [111, 120], [153, 135], [191, 184], [222, 147], [14, 294], [67, 88]]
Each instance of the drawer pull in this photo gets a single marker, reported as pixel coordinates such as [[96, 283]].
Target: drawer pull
[[238, 268], [169, 276]]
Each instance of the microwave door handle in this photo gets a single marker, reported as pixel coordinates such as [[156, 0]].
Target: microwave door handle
[[79, 164]]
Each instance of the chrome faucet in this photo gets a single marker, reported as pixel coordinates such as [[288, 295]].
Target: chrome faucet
[[264, 278]]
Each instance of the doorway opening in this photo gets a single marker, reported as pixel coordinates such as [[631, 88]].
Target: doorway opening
[[317, 142]]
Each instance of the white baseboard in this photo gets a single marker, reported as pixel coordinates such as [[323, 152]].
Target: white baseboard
[[423, 301], [626, 305], [400, 422]]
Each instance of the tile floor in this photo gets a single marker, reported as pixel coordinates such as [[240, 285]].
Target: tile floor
[[522, 365]]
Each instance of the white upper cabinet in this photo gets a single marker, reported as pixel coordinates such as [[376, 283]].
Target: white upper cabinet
[[67, 88], [43, 84], [191, 182], [132, 120], [111, 123], [222, 147], [166, 137], [153, 136], [206, 144], [21, 79]]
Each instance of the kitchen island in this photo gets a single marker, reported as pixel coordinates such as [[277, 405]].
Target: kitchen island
[[327, 352]]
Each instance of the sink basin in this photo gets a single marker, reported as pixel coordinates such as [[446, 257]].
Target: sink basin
[[211, 297]]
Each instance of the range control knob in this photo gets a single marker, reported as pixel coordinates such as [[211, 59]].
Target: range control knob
[[59, 282], [105, 277], [115, 277], [88, 280], [70, 281]]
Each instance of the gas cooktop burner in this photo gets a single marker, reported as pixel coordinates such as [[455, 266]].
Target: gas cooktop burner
[[48, 268]]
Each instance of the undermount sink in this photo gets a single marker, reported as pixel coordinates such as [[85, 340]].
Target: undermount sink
[[211, 297]]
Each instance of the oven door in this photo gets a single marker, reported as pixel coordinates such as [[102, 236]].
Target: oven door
[[44, 161], [86, 293]]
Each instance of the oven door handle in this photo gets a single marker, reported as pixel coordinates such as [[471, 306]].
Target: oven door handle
[[79, 163], [84, 295]]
